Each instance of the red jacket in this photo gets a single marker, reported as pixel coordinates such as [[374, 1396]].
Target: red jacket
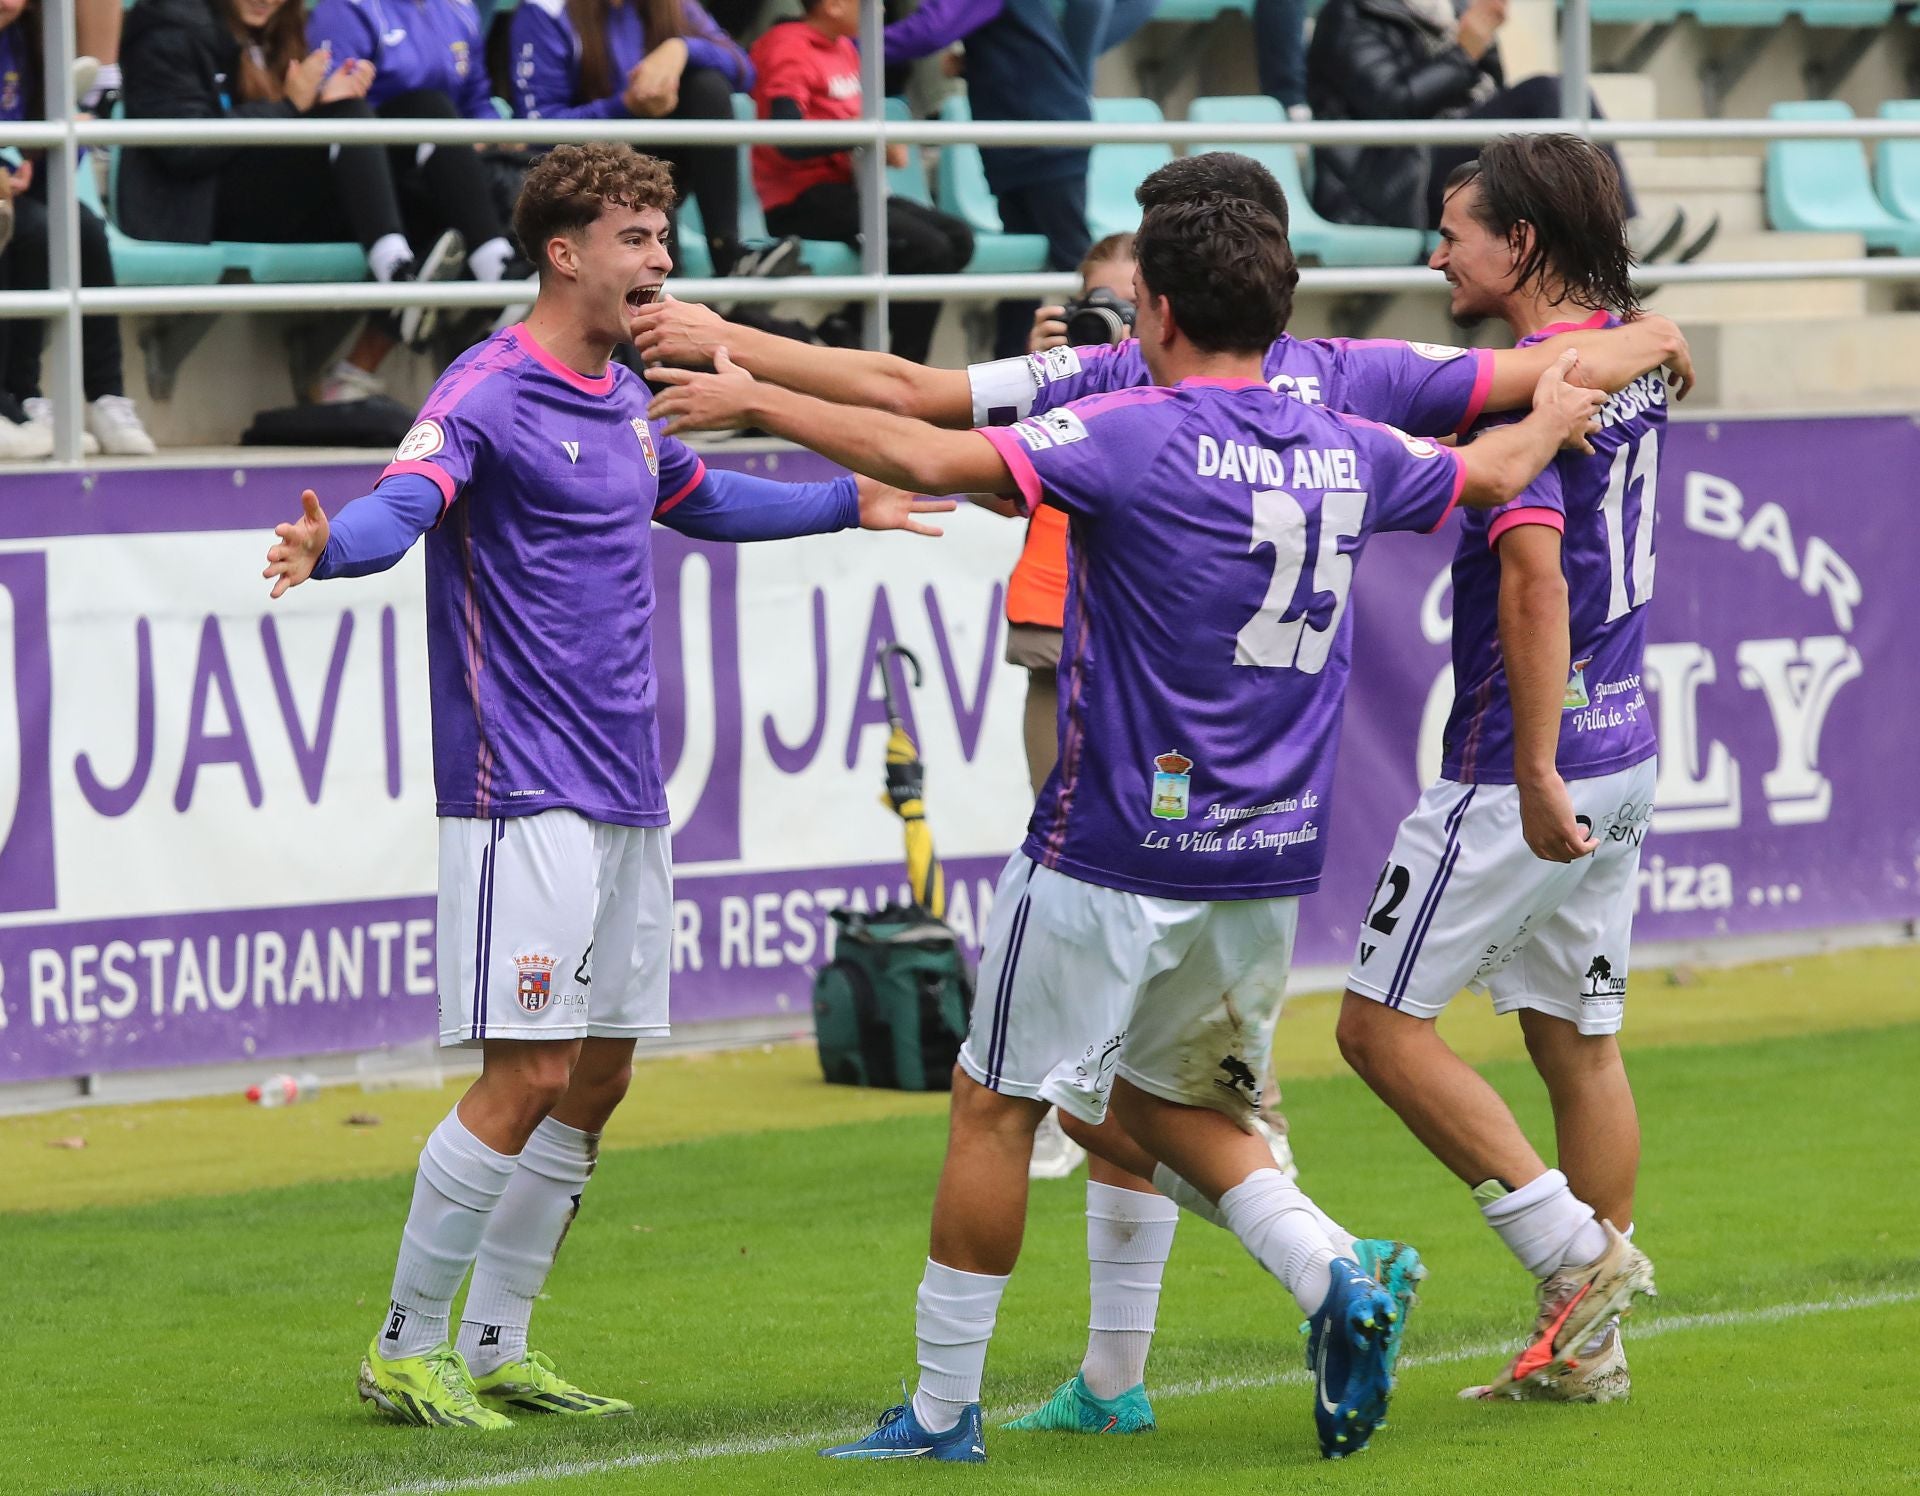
[[821, 74]]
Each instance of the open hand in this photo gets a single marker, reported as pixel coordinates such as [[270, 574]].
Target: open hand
[[668, 331], [305, 77], [1547, 822], [350, 80], [693, 401], [290, 561], [1572, 408], [883, 507]]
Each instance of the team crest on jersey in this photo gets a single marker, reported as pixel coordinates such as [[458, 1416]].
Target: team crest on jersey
[[534, 990], [1172, 782], [423, 441], [1058, 363], [1576, 696], [1440, 353], [1418, 446], [645, 432]]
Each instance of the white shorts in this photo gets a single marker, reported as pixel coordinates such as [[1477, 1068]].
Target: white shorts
[[1462, 902], [1080, 982], [552, 926]]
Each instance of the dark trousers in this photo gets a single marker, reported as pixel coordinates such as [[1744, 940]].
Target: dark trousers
[[709, 174], [1537, 98], [23, 267], [450, 189], [920, 241], [308, 194], [1280, 49], [1057, 209]]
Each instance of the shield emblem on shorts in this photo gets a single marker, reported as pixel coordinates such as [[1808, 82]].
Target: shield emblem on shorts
[[535, 988]]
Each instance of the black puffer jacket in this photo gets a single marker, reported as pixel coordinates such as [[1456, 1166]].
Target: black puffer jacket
[[1372, 60], [179, 61]]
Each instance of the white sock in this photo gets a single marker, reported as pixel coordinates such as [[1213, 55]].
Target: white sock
[[1545, 1226], [1186, 1196], [387, 254], [1277, 1223], [489, 261], [953, 1319], [1129, 1237], [1338, 1237], [521, 1242], [460, 1181]]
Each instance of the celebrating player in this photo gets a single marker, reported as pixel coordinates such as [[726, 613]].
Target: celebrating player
[[1516, 873], [1153, 906], [535, 470]]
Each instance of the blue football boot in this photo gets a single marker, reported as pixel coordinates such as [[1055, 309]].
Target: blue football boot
[[1347, 1354], [898, 1436]]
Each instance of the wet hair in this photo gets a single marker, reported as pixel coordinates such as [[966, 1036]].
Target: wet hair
[[1568, 191], [571, 186], [1107, 251], [1214, 174], [1225, 267]]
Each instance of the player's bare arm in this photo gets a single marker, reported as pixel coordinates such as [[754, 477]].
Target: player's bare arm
[[297, 546], [892, 449], [1611, 358], [1534, 645], [687, 334], [1500, 463]]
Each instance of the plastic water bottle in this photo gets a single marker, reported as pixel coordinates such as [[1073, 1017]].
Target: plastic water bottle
[[284, 1090]]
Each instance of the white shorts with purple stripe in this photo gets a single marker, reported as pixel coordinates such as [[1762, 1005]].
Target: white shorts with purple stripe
[[1463, 903], [553, 926], [1079, 982]]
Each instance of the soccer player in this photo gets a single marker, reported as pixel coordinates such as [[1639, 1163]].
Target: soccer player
[[1516, 872], [1215, 530], [535, 471]]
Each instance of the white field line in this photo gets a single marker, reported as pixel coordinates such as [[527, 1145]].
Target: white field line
[[1490, 1351]]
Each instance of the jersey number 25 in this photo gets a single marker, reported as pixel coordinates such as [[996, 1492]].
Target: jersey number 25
[[1270, 638]]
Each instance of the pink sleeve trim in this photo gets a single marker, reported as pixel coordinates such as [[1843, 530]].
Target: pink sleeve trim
[[1459, 487], [1553, 519], [428, 471], [1482, 385], [1003, 441], [699, 476]]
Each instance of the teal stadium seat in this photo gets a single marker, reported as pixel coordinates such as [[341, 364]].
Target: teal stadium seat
[[1896, 165], [1822, 186], [1849, 13], [1113, 171], [821, 256], [1749, 13], [1313, 236], [960, 188], [1634, 12], [1199, 10], [149, 262]]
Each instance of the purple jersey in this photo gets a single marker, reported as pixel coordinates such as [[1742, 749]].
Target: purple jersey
[[540, 583], [1214, 531], [1603, 507], [1426, 388]]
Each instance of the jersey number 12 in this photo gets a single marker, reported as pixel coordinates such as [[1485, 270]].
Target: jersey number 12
[[1269, 638]]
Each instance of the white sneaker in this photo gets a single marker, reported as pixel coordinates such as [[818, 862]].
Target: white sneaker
[[1055, 1155], [1599, 1375], [345, 382], [1279, 1147], [445, 260], [24, 441], [114, 421], [40, 412]]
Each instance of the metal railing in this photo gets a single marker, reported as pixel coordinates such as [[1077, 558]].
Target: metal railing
[[63, 137]]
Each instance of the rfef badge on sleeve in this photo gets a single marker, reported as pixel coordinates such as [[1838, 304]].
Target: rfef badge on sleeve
[[1171, 783]]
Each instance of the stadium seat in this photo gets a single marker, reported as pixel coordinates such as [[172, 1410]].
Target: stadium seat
[[1822, 186], [1854, 13], [1635, 12], [148, 262], [1199, 10], [1313, 236], [1750, 13], [1896, 165], [960, 188], [821, 256], [1113, 171]]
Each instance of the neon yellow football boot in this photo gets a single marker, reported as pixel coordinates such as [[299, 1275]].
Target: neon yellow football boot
[[531, 1385], [434, 1390]]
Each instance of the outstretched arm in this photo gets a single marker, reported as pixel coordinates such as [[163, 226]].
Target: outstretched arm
[[1611, 358], [688, 334], [904, 453], [370, 534]]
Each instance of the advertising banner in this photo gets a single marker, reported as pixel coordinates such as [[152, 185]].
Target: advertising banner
[[216, 813]]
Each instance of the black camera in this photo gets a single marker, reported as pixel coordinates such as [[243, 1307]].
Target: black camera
[[1099, 317]]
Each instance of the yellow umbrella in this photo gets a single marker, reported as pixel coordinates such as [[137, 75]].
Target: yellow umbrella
[[906, 784]]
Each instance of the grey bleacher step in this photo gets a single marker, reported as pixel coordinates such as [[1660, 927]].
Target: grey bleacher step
[[1727, 185], [1817, 363], [1770, 300]]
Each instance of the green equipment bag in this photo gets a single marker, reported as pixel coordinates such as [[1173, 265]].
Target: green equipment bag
[[892, 1006]]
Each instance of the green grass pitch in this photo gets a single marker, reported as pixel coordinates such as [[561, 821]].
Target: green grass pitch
[[752, 1292]]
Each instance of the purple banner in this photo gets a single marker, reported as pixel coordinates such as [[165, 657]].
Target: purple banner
[[216, 826]]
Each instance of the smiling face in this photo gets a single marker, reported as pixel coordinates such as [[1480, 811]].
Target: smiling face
[[1479, 264], [617, 265], [252, 14]]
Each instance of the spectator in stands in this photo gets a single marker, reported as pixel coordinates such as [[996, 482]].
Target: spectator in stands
[[96, 27], [249, 59], [1429, 59], [1019, 67], [1092, 28], [810, 69], [1280, 53], [112, 423], [641, 59]]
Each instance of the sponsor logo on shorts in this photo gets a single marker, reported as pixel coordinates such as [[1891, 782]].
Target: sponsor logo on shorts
[[1239, 1079], [534, 991], [1172, 783], [1601, 984], [645, 433]]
